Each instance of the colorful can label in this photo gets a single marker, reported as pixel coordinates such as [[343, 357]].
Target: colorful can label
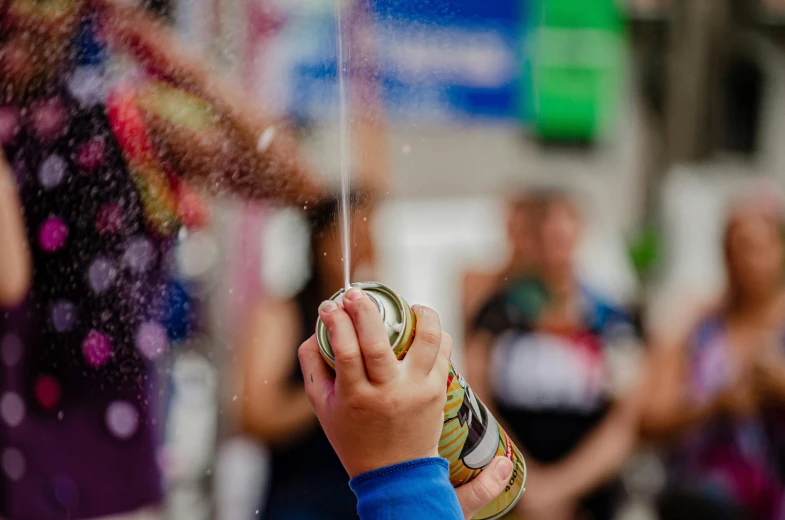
[[471, 436]]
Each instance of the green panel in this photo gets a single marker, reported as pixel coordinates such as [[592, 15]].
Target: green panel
[[577, 56]]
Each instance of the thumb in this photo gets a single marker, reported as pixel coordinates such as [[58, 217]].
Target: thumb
[[489, 484]]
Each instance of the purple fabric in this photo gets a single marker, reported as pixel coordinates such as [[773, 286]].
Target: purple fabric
[[729, 460], [76, 427]]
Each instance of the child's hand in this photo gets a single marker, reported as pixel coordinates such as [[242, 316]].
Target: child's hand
[[376, 410]]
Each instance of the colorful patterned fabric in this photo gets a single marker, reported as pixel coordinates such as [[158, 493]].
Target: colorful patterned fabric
[[727, 460], [76, 389], [551, 387]]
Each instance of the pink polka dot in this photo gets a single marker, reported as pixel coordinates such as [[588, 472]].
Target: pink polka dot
[[101, 274], [14, 464], [47, 392], [63, 314], [122, 419], [9, 124], [110, 219], [12, 409], [53, 234], [151, 339], [139, 255], [87, 84], [49, 119], [52, 171], [97, 349], [91, 154]]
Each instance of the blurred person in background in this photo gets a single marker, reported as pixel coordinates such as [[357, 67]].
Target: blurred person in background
[[95, 184], [718, 384], [307, 480], [479, 286], [539, 355]]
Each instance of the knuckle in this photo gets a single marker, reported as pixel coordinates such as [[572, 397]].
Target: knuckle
[[437, 397], [430, 336], [363, 307], [347, 356], [482, 492], [392, 404], [377, 351], [359, 399]]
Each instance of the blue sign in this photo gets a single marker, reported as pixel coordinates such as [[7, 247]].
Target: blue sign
[[434, 59]]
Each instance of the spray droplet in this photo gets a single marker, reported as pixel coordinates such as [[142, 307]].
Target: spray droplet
[[266, 139], [265, 381], [407, 149], [325, 253], [365, 219], [234, 398]]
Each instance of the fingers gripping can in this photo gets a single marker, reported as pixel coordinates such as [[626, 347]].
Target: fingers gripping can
[[471, 438]]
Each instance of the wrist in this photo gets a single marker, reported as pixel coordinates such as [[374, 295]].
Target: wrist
[[417, 488], [387, 460]]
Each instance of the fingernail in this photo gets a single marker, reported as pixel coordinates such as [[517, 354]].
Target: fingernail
[[328, 306], [354, 294], [503, 469]]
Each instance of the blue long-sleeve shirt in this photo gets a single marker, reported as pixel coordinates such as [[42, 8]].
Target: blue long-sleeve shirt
[[417, 489]]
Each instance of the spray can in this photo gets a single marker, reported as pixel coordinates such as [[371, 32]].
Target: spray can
[[471, 438]]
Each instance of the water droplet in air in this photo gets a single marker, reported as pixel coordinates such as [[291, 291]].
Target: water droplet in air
[[234, 398], [325, 253], [407, 149], [365, 219]]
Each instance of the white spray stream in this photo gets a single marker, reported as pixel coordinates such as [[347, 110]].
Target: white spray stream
[[345, 130]]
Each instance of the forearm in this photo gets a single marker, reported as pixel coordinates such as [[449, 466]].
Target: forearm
[[257, 155], [278, 419], [15, 269], [599, 457], [675, 417]]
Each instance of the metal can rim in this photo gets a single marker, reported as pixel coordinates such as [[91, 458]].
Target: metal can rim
[[321, 331]]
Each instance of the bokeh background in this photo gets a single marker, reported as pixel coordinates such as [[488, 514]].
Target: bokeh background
[[651, 113]]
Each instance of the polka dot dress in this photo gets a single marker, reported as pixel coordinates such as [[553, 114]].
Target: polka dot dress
[[74, 381]]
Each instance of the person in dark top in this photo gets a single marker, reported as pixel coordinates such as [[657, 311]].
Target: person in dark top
[[90, 202], [540, 354], [307, 480]]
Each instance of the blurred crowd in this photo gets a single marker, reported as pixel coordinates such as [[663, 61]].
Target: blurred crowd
[[113, 139]]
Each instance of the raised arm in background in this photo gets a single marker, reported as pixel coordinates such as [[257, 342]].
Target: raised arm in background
[[215, 136], [273, 409]]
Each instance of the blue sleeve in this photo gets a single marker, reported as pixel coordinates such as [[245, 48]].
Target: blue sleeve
[[415, 489]]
